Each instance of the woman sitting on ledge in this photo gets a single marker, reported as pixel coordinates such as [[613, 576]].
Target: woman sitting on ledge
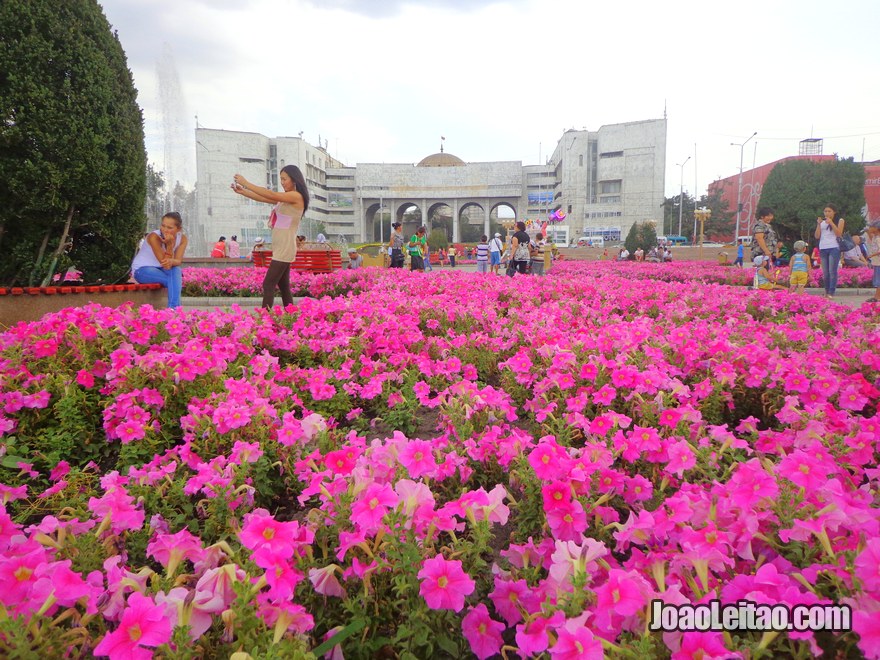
[[160, 256]]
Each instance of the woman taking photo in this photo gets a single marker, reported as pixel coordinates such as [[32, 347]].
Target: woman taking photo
[[828, 230], [160, 256], [290, 206]]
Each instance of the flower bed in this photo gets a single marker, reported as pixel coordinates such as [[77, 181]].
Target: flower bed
[[248, 282], [438, 466]]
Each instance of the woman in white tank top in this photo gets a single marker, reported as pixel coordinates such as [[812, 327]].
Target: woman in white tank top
[[160, 257], [828, 230]]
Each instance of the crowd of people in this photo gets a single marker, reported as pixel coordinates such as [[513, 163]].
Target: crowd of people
[[160, 254]]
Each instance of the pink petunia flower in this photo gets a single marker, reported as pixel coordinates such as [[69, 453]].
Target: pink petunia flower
[[444, 584], [482, 632], [144, 625]]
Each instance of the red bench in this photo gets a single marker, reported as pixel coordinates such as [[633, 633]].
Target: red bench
[[310, 261]]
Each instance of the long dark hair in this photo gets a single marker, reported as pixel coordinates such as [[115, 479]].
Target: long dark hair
[[297, 177]]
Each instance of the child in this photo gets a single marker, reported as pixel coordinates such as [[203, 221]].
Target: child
[[874, 257], [801, 266], [763, 279], [483, 255]]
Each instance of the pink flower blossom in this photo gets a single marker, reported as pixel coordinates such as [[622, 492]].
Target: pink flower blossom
[[444, 585], [482, 632], [144, 626]]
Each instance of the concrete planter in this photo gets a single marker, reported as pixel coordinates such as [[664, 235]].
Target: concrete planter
[[31, 303]]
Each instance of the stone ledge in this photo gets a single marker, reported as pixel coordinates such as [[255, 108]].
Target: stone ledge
[[32, 303]]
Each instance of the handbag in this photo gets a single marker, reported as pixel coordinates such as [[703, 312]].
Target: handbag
[[522, 252], [845, 242]]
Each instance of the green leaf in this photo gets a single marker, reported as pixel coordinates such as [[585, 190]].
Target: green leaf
[[345, 633]]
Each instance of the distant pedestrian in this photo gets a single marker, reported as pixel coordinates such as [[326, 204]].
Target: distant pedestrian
[[828, 230], [396, 245], [764, 239], [519, 250], [496, 247], [452, 254], [483, 255], [740, 253], [873, 246], [355, 260], [537, 248], [417, 247]]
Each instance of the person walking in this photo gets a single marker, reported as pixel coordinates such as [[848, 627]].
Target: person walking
[[740, 253], [496, 247], [396, 245], [452, 254], [828, 230], [519, 251], [289, 207], [160, 257], [416, 246]]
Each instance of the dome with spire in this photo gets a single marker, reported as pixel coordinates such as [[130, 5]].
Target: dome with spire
[[441, 159]]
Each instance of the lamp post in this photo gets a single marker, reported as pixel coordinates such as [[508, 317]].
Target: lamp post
[[739, 187], [702, 214], [681, 193]]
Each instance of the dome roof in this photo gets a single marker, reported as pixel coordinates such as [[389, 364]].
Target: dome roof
[[441, 159]]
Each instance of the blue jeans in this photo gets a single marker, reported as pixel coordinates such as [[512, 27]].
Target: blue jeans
[[830, 258], [171, 279]]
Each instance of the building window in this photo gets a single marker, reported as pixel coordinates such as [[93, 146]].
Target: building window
[[611, 154], [581, 160], [610, 199], [569, 209], [610, 187], [251, 160]]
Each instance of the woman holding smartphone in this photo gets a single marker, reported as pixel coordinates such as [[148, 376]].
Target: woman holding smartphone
[[290, 206], [828, 230]]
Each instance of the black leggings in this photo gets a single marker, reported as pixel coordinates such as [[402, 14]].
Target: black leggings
[[278, 274]]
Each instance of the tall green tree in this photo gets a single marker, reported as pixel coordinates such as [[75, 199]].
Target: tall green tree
[[798, 190], [641, 235], [72, 156]]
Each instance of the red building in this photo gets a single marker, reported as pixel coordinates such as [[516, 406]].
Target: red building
[[753, 183]]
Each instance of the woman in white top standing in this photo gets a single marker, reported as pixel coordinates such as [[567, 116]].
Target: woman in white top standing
[[160, 256], [828, 230], [290, 206]]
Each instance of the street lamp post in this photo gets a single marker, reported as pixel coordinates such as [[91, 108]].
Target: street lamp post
[[702, 214], [739, 186], [681, 193]]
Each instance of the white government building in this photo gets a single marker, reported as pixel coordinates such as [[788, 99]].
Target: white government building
[[603, 181]]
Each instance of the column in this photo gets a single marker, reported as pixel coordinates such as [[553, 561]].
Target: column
[[455, 231], [486, 220]]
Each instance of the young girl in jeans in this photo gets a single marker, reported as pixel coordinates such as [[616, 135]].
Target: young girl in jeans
[[290, 206], [160, 256], [828, 231]]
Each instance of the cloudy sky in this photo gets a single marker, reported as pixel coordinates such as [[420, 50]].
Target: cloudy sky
[[382, 80]]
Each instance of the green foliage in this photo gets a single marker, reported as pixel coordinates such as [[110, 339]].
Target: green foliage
[[72, 153], [641, 235], [798, 190], [437, 239]]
